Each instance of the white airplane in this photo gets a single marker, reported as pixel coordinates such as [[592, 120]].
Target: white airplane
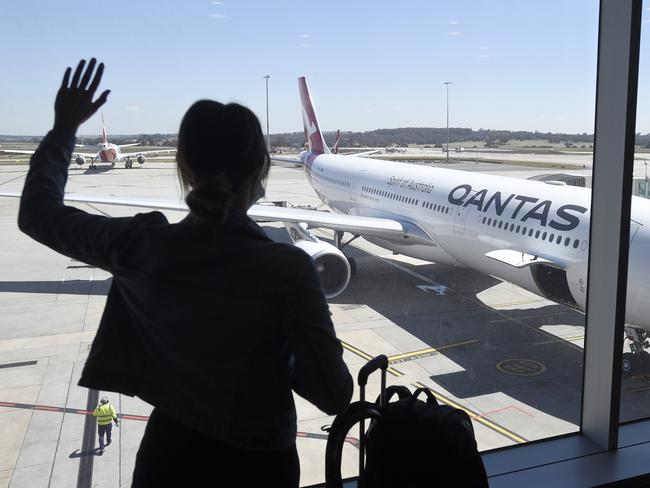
[[533, 234], [106, 153]]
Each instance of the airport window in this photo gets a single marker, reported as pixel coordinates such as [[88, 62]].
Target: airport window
[[511, 402]]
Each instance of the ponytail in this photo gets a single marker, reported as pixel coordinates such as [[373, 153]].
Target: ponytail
[[212, 197]]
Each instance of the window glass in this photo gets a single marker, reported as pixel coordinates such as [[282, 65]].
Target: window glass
[[635, 385], [502, 341]]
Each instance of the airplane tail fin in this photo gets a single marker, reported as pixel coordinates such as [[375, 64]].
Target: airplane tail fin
[[104, 137], [335, 147], [315, 140]]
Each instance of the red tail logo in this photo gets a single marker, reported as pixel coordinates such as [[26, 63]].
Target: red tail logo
[[314, 136]]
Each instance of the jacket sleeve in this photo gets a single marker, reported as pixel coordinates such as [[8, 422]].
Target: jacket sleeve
[[92, 239], [319, 373]]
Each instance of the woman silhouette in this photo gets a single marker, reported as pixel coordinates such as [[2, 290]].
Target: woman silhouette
[[208, 320]]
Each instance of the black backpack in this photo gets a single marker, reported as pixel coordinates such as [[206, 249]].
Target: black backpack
[[410, 443]]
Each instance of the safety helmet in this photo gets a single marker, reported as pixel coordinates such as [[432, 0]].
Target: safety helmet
[[104, 401]]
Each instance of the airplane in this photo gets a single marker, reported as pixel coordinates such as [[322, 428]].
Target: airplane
[[106, 153], [531, 233]]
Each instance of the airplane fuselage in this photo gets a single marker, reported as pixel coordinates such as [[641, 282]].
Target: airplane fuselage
[[108, 153], [468, 215]]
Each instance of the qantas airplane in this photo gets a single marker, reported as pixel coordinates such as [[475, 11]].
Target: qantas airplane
[[107, 153], [533, 234]]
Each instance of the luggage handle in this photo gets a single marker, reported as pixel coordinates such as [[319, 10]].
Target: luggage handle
[[379, 362]]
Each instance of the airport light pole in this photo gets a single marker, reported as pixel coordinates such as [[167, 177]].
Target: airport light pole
[[447, 83], [646, 178], [268, 134]]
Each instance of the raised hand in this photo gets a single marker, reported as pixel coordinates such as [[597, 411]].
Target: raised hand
[[74, 101]]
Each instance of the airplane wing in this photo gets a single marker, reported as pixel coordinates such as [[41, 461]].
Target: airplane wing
[[286, 160], [363, 154], [15, 151], [129, 145], [148, 152], [520, 259], [389, 229], [74, 154]]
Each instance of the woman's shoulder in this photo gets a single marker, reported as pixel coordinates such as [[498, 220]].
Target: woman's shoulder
[[289, 254]]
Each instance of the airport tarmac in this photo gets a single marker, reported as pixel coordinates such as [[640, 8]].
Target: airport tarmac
[[511, 359]]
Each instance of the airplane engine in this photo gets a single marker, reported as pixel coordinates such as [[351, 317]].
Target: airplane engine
[[556, 284], [80, 160], [332, 266], [141, 159]]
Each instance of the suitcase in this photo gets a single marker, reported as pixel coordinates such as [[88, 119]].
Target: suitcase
[[407, 439]]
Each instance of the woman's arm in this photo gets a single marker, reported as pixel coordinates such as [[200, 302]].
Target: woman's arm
[[319, 373], [43, 216]]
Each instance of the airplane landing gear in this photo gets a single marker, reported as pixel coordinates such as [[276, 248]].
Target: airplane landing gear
[[128, 164], [338, 242], [633, 360]]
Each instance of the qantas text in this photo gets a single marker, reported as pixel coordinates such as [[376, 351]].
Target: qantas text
[[523, 208]]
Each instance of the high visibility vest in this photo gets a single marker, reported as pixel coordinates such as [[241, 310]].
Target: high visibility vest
[[105, 414]]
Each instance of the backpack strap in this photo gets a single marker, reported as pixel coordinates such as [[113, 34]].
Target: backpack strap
[[400, 390], [338, 432], [431, 399]]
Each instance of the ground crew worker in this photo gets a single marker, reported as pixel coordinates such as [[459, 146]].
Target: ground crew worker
[[105, 414]]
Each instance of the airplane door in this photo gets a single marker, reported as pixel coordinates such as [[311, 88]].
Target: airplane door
[[461, 215]]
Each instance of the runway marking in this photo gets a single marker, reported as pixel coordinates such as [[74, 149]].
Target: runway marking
[[474, 415], [513, 407], [529, 317], [142, 418], [521, 367], [15, 365], [429, 351], [560, 339], [368, 357]]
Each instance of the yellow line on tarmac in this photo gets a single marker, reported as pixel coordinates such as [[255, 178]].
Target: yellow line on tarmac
[[475, 416], [368, 357], [429, 351]]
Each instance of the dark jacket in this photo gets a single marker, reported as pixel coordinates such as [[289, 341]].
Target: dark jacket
[[213, 324]]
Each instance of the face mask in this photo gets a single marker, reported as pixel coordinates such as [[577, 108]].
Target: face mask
[[259, 192]]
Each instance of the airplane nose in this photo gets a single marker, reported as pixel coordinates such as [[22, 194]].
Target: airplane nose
[[638, 276]]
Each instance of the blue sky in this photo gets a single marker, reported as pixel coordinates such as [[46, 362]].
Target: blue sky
[[514, 64]]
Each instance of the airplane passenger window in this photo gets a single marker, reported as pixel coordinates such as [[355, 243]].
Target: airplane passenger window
[[559, 239], [551, 238], [544, 236], [567, 241]]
